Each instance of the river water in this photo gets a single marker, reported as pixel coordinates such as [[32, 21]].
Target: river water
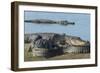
[[80, 29]]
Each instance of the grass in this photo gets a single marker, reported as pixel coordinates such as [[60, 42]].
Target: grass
[[29, 57]]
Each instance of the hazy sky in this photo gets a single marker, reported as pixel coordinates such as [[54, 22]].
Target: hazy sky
[[80, 29]]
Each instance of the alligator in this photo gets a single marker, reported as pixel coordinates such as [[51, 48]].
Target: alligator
[[48, 21]]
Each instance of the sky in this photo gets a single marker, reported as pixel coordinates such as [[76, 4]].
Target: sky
[[80, 29]]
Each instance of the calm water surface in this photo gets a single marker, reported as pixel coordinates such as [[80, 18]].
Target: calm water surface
[[80, 29]]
